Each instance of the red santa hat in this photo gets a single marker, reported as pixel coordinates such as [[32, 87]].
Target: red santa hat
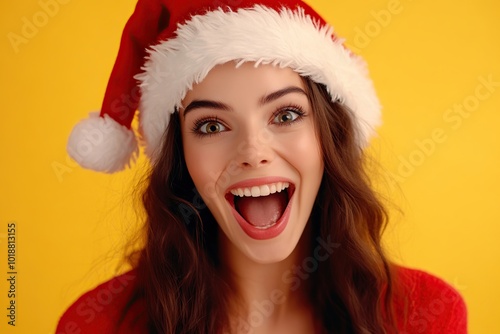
[[167, 46]]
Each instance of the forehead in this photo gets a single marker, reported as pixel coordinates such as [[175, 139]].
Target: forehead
[[227, 79]]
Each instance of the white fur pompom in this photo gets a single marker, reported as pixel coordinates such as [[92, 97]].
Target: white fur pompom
[[102, 144]]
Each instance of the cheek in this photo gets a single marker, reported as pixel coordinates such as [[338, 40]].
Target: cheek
[[306, 156], [204, 164]]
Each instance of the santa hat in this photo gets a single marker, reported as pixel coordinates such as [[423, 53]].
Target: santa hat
[[167, 46]]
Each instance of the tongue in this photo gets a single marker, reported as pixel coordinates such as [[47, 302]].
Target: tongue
[[262, 211]]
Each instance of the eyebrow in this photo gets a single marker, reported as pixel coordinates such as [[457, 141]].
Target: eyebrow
[[198, 104], [280, 93]]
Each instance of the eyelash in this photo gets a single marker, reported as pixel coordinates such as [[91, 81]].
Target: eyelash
[[199, 123], [293, 108]]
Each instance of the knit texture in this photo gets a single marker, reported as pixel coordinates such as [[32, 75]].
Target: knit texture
[[429, 306]]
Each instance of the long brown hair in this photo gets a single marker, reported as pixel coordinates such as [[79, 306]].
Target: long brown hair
[[351, 290]]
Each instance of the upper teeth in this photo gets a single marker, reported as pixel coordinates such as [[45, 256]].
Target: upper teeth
[[263, 190]]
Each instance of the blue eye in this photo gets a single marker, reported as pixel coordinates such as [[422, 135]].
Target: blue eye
[[287, 115]]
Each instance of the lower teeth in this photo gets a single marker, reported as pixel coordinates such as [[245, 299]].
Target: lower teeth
[[263, 227]]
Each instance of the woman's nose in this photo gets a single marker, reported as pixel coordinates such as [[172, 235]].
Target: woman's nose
[[255, 150]]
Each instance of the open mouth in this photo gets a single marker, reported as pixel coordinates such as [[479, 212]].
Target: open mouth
[[261, 206]]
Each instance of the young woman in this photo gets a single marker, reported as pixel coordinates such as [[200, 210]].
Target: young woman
[[260, 217]]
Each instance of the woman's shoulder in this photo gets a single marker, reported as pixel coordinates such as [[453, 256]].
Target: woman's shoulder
[[424, 304], [111, 307], [427, 304]]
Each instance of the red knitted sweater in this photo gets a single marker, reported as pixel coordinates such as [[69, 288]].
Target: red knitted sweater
[[430, 306]]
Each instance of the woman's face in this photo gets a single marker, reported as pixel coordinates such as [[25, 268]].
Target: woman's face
[[252, 151]]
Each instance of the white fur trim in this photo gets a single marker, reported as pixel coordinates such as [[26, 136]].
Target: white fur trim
[[102, 144], [288, 38]]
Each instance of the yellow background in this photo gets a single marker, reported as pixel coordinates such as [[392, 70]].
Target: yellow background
[[425, 57]]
